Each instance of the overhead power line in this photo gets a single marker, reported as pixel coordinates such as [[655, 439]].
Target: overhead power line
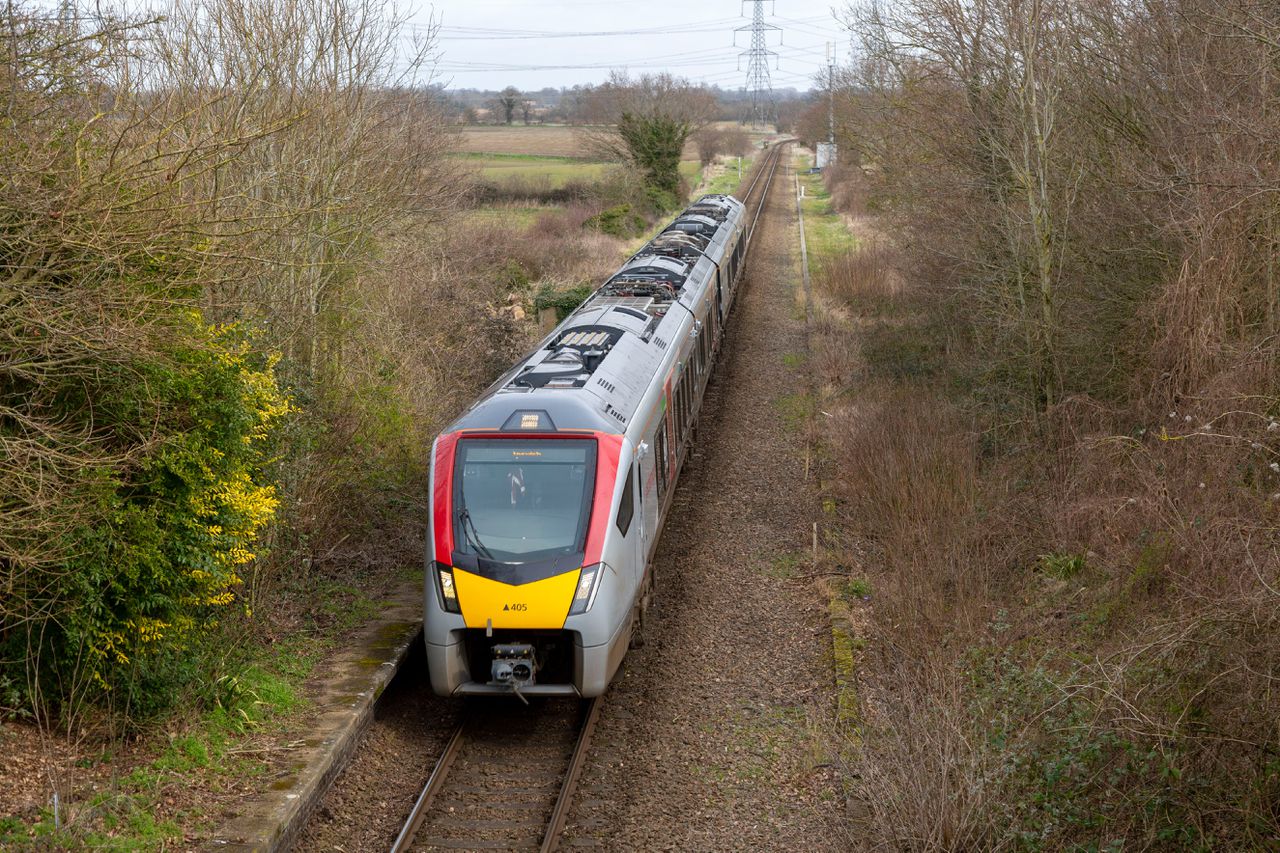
[[465, 33]]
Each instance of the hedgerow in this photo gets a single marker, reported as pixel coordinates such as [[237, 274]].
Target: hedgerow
[[135, 435]]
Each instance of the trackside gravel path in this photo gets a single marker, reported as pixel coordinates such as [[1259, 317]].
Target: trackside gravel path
[[711, 739]]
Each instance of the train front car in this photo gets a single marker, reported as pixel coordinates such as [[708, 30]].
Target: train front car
[[535, 562], [525, 583]]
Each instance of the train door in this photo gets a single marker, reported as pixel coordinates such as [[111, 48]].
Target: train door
[[719, 304]]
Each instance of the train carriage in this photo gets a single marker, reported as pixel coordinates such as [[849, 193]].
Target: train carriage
[[549, 493]]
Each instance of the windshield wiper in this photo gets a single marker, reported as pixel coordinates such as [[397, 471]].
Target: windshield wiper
[[473, 535]]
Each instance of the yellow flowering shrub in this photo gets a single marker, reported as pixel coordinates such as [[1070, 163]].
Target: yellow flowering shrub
[[184, 517]]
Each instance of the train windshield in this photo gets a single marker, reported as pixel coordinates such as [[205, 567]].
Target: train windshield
[[517, 500]]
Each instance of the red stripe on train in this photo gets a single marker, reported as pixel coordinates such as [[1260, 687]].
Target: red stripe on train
[[609, 448], [442, 498]]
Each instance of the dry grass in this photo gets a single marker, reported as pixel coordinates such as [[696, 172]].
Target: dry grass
[[926, 779], [848, 191], [1074, 615], [864, 280], [553, 141], [1076, 645]]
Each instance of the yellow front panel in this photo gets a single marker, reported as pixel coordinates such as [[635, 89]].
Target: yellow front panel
[[541, 604]]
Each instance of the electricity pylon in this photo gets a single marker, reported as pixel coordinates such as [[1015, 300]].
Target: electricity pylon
[[758, 82]]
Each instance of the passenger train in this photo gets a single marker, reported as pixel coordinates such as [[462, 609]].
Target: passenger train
[[549, 493]]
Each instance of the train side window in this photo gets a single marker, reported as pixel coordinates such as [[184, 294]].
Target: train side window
[[627, 506], [660, 449], [677, 399]]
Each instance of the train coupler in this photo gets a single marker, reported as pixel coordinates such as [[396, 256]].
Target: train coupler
[[515, 665]]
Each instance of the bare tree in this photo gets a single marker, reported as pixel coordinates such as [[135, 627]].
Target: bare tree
[[710, 141], [736, 142], [333, 79], [990, 73]]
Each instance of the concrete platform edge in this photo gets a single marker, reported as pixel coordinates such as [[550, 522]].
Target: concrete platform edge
[[354, 680]]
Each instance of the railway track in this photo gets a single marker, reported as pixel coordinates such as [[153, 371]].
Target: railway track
[[756, 191], [506, 781]]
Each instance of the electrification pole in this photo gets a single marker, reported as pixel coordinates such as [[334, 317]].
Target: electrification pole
[[758, 82], [831, 94], [827, 150]]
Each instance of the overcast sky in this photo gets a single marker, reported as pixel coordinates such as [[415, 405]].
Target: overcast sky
[[530, 44]]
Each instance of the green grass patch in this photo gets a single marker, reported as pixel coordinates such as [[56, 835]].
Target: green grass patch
[[691, 171], [857, 588], [1062, 566], [496, 157], [556, 172], [785, 566], [796, 409], [729, 182], [825, 230]]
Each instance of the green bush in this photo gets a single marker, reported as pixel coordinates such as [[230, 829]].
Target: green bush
[[621, 220], [656, 143], [564, 301]]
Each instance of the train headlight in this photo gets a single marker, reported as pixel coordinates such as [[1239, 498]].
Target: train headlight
[[444, 585], [588, 582]]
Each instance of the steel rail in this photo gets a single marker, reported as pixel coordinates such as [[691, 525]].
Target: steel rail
[[767, 171], [561, 811], [564, 799], [434, 783]]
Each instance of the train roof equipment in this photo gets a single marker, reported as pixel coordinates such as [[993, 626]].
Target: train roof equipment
[[612, 344]]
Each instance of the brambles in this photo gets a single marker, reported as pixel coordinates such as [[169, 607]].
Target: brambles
[[178, 290]]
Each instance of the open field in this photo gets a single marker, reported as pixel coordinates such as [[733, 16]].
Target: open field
[[547, 141], [559, 141], [551, 171]]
